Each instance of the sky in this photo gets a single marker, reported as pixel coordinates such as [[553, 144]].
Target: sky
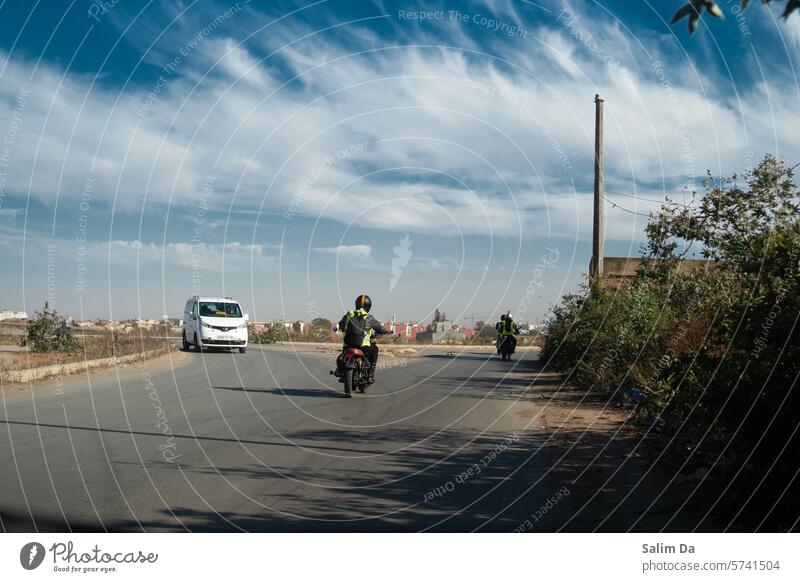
[[296, 155]]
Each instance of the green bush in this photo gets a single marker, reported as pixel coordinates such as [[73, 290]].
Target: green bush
[[485, 335], [712, 354], [46, 333], [271, 335], [599, 334]]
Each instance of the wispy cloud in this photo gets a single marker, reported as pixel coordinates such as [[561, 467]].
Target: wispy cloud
[[485, 142], [11, 213], [347, 252]]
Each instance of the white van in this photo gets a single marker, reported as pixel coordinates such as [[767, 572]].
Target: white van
[[214, 322]]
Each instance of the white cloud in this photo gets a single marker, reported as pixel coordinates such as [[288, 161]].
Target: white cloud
[[792, 26], [231, 256], [215, 258], [239, 64], [491, 147], [347, 252]]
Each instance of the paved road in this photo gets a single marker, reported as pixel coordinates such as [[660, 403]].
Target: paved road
[[265, 442]]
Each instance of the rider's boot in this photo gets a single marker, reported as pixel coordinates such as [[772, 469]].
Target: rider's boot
[[339, 372], [371, 375]]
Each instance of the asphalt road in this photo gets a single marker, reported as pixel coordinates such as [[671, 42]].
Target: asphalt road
[[265, 442]]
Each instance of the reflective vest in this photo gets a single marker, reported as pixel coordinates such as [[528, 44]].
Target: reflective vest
[[507, 328], [362, 314]]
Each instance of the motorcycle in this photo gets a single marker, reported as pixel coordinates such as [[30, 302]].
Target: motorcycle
[[506, 347], [353, 371]]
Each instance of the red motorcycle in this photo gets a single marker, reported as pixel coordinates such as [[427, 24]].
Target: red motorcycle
[[352, 370]]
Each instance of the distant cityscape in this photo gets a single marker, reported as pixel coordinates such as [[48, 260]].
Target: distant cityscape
[[439, 330], [8, 315]]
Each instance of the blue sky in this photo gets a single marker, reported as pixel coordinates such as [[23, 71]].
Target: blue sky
[[280, 152]]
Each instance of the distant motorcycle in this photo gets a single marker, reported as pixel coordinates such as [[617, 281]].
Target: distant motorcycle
[[506, 347]]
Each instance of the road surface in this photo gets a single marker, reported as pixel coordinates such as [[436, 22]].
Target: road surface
[[264, 441]]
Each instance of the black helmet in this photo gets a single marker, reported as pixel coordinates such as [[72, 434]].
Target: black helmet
[[503, 317], [364, 302]]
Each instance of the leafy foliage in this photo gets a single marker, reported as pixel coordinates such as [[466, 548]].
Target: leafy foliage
[[694, 9], [321, 328], [485, 335], [271, 335], [711, 353], [47, 333]]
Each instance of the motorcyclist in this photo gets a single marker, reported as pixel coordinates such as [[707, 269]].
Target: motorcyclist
[[499, 328], [509, 330], [359, 329]]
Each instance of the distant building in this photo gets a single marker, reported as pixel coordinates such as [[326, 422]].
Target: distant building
[[467, 331], [301, 326], [527, 328], [8, 315], [441, 332], [405, 330], [262, 325]]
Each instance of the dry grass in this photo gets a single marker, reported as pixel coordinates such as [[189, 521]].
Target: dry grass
[[91, 346]]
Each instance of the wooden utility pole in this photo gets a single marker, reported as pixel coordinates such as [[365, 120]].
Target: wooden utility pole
[[598, 230]]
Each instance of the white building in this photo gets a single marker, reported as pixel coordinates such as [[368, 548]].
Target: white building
[[8, 314]]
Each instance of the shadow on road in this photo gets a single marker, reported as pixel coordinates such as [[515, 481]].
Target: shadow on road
[[568, 472], [562, 481], [457, 356], [191, 437], [292, 392]]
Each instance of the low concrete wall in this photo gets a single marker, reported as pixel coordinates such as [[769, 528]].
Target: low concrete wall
[[40, 373], [625, 267]]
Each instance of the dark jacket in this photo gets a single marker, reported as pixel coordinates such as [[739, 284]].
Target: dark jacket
[[356, 325]]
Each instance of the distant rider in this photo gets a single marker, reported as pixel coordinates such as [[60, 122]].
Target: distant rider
[[509, 330], [359, 327], [499, 326]]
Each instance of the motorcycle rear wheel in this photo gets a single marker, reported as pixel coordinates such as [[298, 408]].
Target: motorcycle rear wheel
[[348, 382]]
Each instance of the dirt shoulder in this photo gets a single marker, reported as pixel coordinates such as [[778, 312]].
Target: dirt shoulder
[[614, 473]]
